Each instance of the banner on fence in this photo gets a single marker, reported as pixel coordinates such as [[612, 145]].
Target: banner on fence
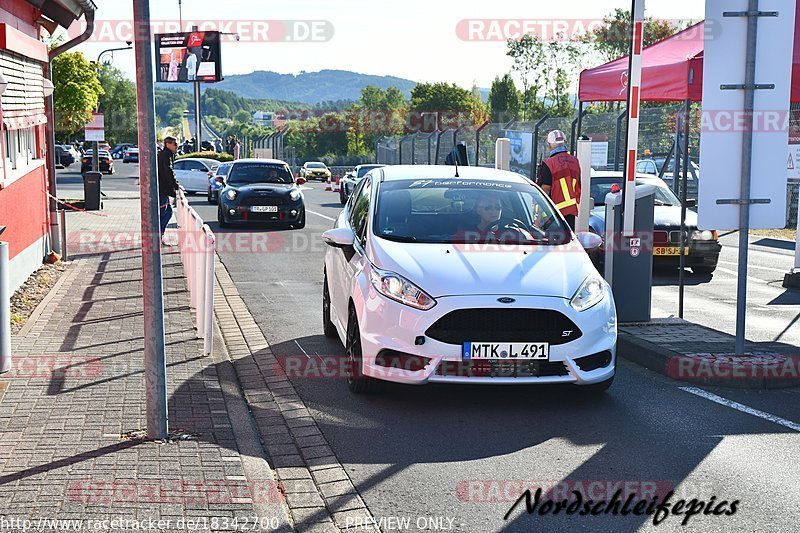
[[521, 143]]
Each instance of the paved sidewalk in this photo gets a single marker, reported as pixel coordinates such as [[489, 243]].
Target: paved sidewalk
[[73, 410], [685, 351]]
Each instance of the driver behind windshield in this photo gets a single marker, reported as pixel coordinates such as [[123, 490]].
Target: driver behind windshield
[[487, 227]]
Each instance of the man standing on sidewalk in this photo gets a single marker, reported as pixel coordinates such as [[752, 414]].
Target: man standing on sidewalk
[[559, 176], [167, 184]]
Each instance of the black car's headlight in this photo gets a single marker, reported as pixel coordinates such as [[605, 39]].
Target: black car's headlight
[[231, 194], [704, 235], [295, 195]]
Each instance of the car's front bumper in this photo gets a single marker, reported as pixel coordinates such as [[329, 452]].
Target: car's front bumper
[[288, 213], [388, 325]]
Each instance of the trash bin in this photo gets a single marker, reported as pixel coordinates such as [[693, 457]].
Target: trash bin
[[91, 190], [629, 260]]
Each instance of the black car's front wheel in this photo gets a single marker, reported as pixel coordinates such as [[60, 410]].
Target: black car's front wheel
[[221, 218], [342, 196]]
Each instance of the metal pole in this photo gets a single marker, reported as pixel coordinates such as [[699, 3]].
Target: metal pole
[[576, 123], [534, 162], [581, 113], [632, 131], [618, 141], [96, 157], [55, 243], [676, 148], [5, 310], [197, 119], [797, 244], [747, 168], [63, 220], [152, 283], [682, 258]]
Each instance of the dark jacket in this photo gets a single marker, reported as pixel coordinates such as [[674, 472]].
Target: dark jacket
[[167, 184]]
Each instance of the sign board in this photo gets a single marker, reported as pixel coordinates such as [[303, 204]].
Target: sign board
[[188, 57], [95, 130], [521, 147], [599, 155], [722, 124], [793, 164]]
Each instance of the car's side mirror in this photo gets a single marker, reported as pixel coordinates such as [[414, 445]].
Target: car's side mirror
[[300, 180], [591, 203], [691, 203], [590, 241], [340, 238]]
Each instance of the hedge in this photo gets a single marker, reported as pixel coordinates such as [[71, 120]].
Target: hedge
[[222, 157]]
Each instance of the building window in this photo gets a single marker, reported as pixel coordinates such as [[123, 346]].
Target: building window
[[20, 147]]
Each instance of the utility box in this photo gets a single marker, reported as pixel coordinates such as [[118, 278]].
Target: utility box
[[91, 190], [629, 260]]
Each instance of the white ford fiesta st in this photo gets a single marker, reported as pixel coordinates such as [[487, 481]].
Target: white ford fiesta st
[[468, 275]]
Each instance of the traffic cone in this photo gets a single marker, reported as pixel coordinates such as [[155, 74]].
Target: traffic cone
[[328, 185], [336, 184]]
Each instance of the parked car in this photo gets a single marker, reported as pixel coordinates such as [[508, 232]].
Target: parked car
[[64, 157], [349, 181], [702, 253], [217, 181], [431, 277], [261, 190], [104, 159], [131, 155], [653, 167], [315, 170], [193, 173], [118, 152]]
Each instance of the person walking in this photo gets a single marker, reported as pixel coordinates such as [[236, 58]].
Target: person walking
[[236, 148], [167, 184], [559, 176]]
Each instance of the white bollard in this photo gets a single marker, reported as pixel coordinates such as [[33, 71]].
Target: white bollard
[[209, 291], [502, 154], [584, 153]]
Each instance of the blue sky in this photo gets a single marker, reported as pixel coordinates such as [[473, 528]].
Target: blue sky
[[414, 39]]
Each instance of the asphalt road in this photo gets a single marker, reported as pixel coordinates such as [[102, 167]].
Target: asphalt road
[[125, 180], [460, 453]]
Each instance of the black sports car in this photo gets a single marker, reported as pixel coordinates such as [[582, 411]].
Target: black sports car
[[259, 191], [703, 248], [348, 183]]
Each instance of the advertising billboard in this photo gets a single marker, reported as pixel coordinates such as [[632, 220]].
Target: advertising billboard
[[188, 57], [521, 151]]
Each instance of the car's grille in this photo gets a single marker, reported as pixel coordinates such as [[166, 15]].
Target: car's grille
[[504, 325], [250, 201], [501, 369]]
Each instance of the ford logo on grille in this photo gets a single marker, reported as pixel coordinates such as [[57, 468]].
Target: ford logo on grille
[[506, 300]]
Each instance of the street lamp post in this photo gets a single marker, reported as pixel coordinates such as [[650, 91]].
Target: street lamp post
[[96, 151]]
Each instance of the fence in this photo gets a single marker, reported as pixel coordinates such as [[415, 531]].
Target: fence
[[197, 246]]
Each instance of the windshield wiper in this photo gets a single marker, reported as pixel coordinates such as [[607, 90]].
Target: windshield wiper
[[399, 238]]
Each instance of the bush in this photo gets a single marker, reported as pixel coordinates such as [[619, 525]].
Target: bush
[[222, 157]]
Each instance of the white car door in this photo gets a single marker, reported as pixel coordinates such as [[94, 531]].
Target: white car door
[[193, 176]]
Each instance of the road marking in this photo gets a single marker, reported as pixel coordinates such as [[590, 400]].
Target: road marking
[[302, 350], [326, 217], [734, 273], [741, 407], [782, 271]]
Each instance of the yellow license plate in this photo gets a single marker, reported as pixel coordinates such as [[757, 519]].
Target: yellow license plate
[[669, 250]]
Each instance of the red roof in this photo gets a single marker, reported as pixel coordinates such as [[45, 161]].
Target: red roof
[[672, 69]]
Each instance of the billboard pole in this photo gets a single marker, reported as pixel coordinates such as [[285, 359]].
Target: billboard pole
[[198, 117], [152, 283], [632, 132]]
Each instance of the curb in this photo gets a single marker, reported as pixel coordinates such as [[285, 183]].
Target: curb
[[318, 491], [69, 273], [706, 369]]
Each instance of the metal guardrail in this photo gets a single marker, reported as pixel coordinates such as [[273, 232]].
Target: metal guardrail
[[197, 245]]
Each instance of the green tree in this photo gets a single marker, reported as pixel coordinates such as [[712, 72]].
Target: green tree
[[613, 39], [504, 99], [242, 117], [77, 90], [118, 104], [451, 101]]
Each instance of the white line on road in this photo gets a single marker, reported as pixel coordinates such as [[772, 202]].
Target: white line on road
[[781, 270], [301, 349], [741, 407], [326, 217], [734, 273]]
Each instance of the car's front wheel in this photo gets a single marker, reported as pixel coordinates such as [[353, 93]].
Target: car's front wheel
[[704, 270], [342, 197], [357, 382], [328, 329], [221, 218]]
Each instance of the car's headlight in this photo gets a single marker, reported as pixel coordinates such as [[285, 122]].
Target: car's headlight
[[704, 235], [294, 195], [591, 292], [231, 194], [398, 288]]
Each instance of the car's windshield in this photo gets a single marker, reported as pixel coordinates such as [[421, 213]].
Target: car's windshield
[[315, 165], [459, 211], [602, 186], [224, 169], [364, 170], [248, 173]]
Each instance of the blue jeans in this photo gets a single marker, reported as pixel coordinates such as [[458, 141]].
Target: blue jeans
[[165, 210]]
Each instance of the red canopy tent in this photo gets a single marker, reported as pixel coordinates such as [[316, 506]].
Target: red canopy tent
[[672, 70]]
